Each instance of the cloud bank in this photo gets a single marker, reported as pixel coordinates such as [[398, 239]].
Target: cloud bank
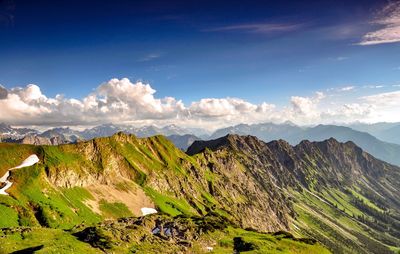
[[123, 101]]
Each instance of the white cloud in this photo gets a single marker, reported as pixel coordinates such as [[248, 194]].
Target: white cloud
[[116, 100], [388, 22], [384, 99], [386, 106], [123, 101], [346, 88], [305, 109], [374, 86]]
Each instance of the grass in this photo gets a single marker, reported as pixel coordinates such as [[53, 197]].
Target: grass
[[36, 201], [13, 154], [169, 205], [9, 217], [365, 200], [114, 210], [262, 243], [334, 227], [45, 240]]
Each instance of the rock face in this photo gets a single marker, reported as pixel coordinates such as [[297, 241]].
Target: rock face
[[316, 189]]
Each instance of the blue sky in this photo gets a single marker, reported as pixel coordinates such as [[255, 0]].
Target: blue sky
[[259, 51]]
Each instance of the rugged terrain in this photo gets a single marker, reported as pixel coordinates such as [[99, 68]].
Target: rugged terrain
[[332, 192]]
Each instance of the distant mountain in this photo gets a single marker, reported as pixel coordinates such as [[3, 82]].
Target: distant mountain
[[10, 133], [103, 130], [294, 134], [264, 131], [63, 135], [183, 141], [389, 132], [181, 137], [391, 135], [106, 130], [373, 128]]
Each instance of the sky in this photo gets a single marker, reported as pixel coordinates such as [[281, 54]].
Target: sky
[[198, 63]]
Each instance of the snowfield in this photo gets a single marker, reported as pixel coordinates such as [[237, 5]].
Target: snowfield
[[147, 211], [30, 161]]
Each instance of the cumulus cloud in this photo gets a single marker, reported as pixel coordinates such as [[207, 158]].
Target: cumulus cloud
[[123, 101], [388, 23], [305, 108], [116, 100]]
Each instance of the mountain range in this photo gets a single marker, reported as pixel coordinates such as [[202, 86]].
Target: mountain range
[[184, 137], [294, 134], [388, 132], [224, 194]]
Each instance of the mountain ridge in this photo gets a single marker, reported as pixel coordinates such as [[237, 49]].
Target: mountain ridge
[[308, 189]]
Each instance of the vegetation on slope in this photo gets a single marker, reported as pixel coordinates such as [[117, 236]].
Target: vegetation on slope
[[154, 234]]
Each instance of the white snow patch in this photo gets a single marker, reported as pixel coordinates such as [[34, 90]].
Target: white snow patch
[[3, 190], [30, 161], [147, 211], [3, 179]]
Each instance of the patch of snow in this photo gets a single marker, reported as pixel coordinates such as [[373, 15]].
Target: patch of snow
[[147, 211], [4, 178], [30, 161], [3, 190]]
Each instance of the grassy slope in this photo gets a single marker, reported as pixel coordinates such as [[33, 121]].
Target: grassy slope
[[222, 241], [331, 218]]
